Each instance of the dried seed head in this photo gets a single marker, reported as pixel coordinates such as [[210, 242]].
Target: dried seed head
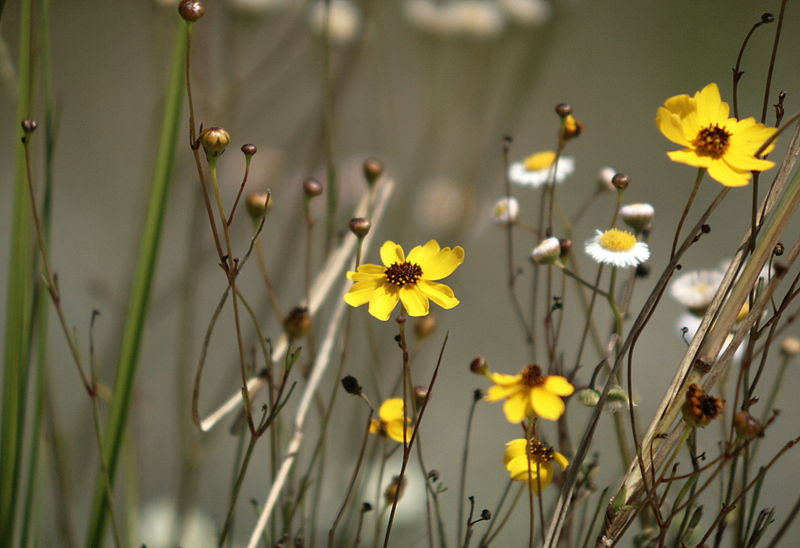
[[214, 140], [700, 407], [298, 322], [479, 366], [351, 386], [395, 490], [373, 169], [191, 10], [747, 426], [360, 226], [312, 187]]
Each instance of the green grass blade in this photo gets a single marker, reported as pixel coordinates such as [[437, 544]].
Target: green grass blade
[[19, 290], [142, 284]]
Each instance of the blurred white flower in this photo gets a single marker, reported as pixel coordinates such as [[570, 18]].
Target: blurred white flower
[[534, 171], [547, 251], [527, 12], [344, 20], [426, 16], [473, 18], [257, 7], [604, 177], [637, 216], [688, 325], [505, 211], [441, 204], [695, 290]]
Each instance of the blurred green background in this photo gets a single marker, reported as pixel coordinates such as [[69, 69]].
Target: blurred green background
[[433, 104]]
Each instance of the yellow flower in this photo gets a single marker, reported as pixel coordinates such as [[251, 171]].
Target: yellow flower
[[529, 392], [391, 420], [407, 279], [724, 146], [532, 460]]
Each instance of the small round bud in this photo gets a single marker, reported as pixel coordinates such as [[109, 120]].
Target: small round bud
[[477, 394], [249, 150], [563, 109], [637, 216], [373, 169], [360, 226], [214, 140], [312, 187], [616, 400], [29, 126], [705, 228], [620, 181], [588, 397], [505, 211], [779, 249], [790, 347], [425, 326], [298, 322], [479, 366], [566, 246], [486, 514], [767, 17], [395, 490], [547, 251], [191, 10], [604, 178], [420, 395], [350, 385], [642, 271], [747, 426], [366, 507], [258, 203]]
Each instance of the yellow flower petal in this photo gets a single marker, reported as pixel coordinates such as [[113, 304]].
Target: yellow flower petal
[[727, 175], [690, 158], [440, 294], [374, 426], [414, 300], [670, 125], [558, 385], [545, 404], [504, 380], [392, 253], [541, 477], [518, 467], [517, 407], [710, 107], [394, 430], [436, 263], [383, 301], [360, 293], [561, 460], [391, 410], [514, 448], [500, 392], [680, 104]]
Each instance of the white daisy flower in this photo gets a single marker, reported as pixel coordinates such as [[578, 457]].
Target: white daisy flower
[[546, 252], [696, 289], [617, 247], [604, 179], [637, 216], [473, 18], [535, 170], [344, 20], [688, 324], [505, 211]]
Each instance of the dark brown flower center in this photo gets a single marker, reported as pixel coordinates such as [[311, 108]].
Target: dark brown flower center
[[712, 141], [401, 274], [532, 375], [539, 451], [703, 406]]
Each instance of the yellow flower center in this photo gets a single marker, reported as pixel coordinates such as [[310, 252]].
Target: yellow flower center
[[532, 375], [712, 141], [539, 452], [617, 240], [540, 160], [401, 274]]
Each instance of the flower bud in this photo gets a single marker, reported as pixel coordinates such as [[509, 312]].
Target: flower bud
[[604, 178], [563, 109], [620, 181], [29, 126], [420, 395], [249, 150], [298, 322], [637, 216], [395, 490], [790, 347], [479, 366], [373, 169], [214, 140], [547, 251], [505, 211], [566, 246], [258, 203], [360, 226], [746, 425], [425, 326], [191, 10], [588, 397], [616, 400], [312, 187], [351, 386], [572, 128]]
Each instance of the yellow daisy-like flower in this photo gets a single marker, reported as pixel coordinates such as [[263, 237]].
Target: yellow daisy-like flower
[[724, 146], [390, 422], [532, 460], [406, 279], [529, 392]]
